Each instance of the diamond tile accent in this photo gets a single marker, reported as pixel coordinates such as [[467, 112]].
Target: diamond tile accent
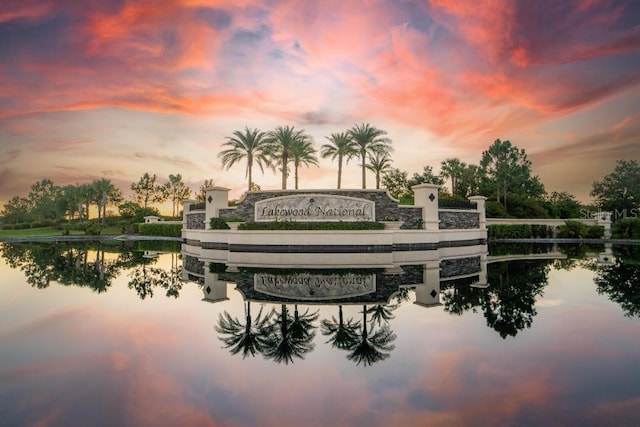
[[432, 197], [210, 199], [208, 290], [433, 293]]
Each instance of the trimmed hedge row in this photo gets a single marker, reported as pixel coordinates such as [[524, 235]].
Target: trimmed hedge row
[[578, 230], [519, 231], [160, 229]]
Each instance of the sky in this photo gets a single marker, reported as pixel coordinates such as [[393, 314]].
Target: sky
[[114, 89]]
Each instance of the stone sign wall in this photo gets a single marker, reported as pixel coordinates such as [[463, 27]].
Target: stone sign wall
[[315, 207], [307, 286]]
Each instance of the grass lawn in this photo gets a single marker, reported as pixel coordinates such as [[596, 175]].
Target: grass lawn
[[50, 231]]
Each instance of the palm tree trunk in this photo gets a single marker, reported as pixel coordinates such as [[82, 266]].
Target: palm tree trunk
[[377, 180], [339, 171], [285, 160], [296, 176], [363, 156], [250, 173]]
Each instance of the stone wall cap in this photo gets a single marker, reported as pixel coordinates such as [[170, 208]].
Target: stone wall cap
[[426, 185], [477, 198], [217, 189]]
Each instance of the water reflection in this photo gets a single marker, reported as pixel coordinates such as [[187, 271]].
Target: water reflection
[[503, 283]]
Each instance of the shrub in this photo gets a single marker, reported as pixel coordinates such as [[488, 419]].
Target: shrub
[[160, 229], [510, 231], [216, 223], [292, 225], [626, 228], [94, 228], [541, 231], [577, 230], [495, 210]]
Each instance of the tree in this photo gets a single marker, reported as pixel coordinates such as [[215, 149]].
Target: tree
[[469, 182], [42, 198], [564, 205], [619, 191], [454, 169], [426, 177], [342, 335], [281, 143], [104, 193], [252, 145], [146, 190], [177, 191], [302, 153], [340, 147], [397, 183], [368, 138], [506, 169], [202, 192], [284, 342], [373, 346], [18, 209], [249, 338], [379, 162]]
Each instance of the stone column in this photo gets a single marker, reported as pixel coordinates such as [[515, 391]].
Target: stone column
[[428, 293], [604, 219], [214, 289], [216, 198], [481, 201], [482, 275], [186, 207], [426, 197]]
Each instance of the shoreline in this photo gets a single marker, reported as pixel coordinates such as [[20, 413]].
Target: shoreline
[[86, 238]]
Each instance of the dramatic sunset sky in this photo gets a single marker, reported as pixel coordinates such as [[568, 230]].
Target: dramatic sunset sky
[[92, 89]]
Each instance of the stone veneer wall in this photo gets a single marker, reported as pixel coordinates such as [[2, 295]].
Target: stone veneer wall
[[385, 206], [459, 266], [458, 219], [195, 220], [193, 264]]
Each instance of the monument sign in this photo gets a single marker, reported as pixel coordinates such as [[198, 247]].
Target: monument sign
[[315, 207]]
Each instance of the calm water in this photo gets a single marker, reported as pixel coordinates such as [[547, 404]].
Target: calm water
[[110, 335]]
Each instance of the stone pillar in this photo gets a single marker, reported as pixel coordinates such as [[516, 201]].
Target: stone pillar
[[426, 197], [604, 219], [481, 201], [428, 293], [216, 198], [186, 208], [214, 289]]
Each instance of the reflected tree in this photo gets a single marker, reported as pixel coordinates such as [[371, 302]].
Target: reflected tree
[[381, 313], [461, 298], [509, 303], [372, 346], [143, 279], [249, 338], [342, 335], [282, 345], [621, 284]]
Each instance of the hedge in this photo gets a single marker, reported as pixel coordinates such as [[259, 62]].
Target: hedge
[[160, 229], [519, 231], [626, 228], [577, 230]]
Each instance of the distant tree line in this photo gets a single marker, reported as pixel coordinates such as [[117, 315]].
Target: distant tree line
[[503, 175]]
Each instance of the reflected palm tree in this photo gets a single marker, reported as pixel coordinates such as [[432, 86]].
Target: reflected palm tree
[[250, 338], [372, 347], [342, 335], [381, 313], [402, 295], [282, 345]]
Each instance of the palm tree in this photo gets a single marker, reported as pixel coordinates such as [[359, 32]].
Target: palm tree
[[251, 144], [104, 192], [368, 138], [341, 335], [374, 347], [250, 338], [281, 144], [452, 168], [379, 162], [382, 313], [281, 345], [341, 146], [302, 153]]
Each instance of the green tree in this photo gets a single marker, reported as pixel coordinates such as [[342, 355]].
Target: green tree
[[202, 192], [564, 205], [250, 144], [373, 345], [379, 162], [147, 190], [469, 182], [281, 143], [426, 177], [177, 191], [42, 197], [396, 182], [302, 153], [454, 169], [340, 147], [619, 191], [18, 209], [368, 139], [506, 169], [105, 193]]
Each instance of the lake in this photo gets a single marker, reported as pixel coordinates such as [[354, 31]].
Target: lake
[[138, 334]]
